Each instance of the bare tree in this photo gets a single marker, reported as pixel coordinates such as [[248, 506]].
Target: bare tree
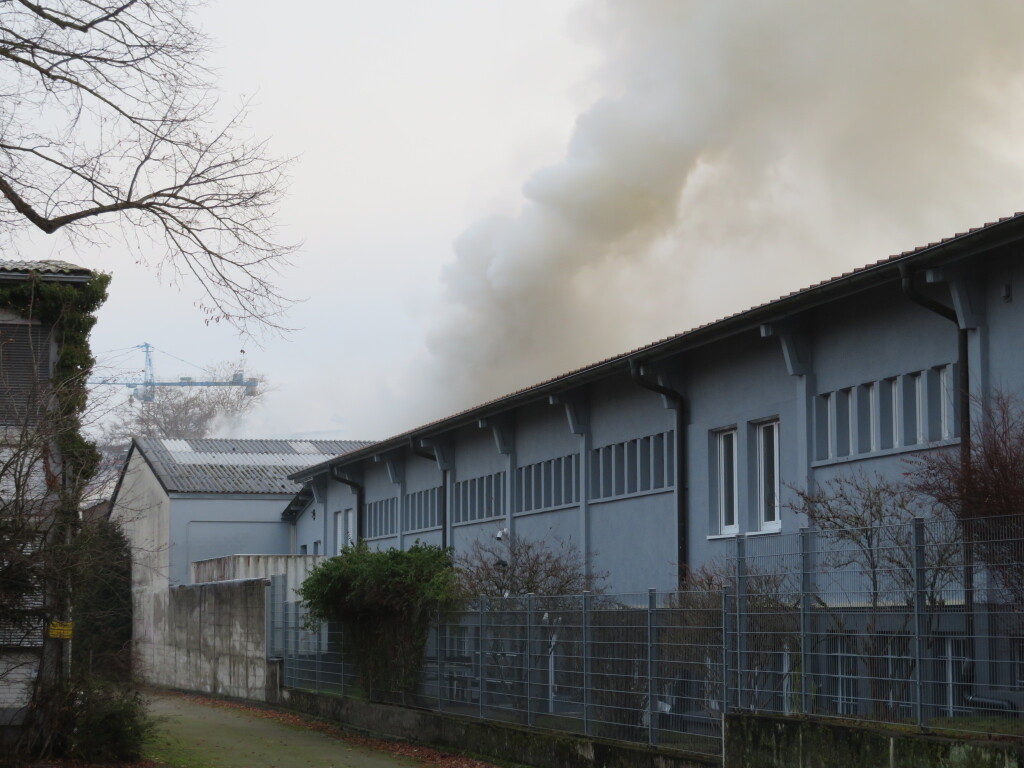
[[513, 566], [107, 116], [502, 572], [985, 492], [864, 525], [184, 413]]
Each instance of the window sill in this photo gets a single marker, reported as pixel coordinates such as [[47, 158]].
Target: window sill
[[886, 452], [634, 495], [720, 536], [428, 529], [479, 520], [542, 510]]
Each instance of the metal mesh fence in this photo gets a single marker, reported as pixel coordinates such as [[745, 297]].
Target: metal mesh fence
[[918, 624]]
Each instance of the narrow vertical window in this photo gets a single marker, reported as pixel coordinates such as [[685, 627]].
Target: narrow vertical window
[[823, 426], [894, 396], [867, 418], [945, 401], [768, 475], [727, 481], [843, 422], [920, 412]]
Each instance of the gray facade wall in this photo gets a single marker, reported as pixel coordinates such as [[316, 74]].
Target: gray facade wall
[[206, 526]]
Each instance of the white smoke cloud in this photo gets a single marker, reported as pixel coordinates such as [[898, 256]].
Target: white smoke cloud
[[740, 150]]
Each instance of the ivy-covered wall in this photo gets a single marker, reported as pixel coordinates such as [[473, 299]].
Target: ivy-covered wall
[[70, 309]]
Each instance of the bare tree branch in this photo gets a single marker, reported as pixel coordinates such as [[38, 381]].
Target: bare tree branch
[[107, 115]]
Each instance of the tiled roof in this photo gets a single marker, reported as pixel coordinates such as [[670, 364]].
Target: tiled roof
[[216, 465], [771, 310], [47, 267]]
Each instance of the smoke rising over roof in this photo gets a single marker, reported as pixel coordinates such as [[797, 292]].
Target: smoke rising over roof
[[739, 151]]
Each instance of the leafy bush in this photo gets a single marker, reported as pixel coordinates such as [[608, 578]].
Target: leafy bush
[[110, 723], [385, 602]]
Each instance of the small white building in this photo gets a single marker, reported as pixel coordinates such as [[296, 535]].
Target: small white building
[[182, 501]]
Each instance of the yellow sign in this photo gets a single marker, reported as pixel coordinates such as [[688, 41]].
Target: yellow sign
[[61, 630]]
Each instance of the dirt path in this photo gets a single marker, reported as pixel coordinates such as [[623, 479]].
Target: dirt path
[[196, 732]]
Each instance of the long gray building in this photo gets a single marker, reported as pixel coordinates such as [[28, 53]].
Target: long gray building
[[652, 462]]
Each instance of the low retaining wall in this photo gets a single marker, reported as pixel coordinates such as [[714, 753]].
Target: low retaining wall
[[295, 568], [756, 741], [543, 749], [212, 639]]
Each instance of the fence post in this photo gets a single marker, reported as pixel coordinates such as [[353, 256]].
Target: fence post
[[919, 608], [480, 690], [725, 652], [340, 635], [269, 593], [805, 616], [586, 663], [529, 659], [290, 643], [319, 652], [439, 644], [652, 607], [741, 613]]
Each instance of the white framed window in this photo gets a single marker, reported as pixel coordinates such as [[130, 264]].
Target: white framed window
[[344, 530], [769, 514], [726, 481]]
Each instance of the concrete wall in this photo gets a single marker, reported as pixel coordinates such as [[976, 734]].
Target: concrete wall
[[215, 640], [295, 569], [755, 741], [510, 743]]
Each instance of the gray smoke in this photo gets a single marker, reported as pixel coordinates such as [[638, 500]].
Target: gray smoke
[[740, 150]]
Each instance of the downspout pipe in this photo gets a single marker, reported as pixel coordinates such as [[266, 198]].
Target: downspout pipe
[[442, 494], [964, 425], [360, 499], [963, 362], [682, 486]]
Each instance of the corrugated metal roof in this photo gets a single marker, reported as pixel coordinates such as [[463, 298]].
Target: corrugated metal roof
[[216, 465], [757, 314], [47, 267]]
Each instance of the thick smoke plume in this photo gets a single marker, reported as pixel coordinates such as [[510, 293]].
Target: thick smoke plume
[[740, 150]]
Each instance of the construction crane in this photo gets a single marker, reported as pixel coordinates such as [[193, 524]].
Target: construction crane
[[144, 389]]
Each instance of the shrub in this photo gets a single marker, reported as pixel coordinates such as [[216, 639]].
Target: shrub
[[102, 602], [385, 602], [110, 723]]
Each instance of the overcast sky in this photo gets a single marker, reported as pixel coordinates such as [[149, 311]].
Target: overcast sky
[[492, 192]]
